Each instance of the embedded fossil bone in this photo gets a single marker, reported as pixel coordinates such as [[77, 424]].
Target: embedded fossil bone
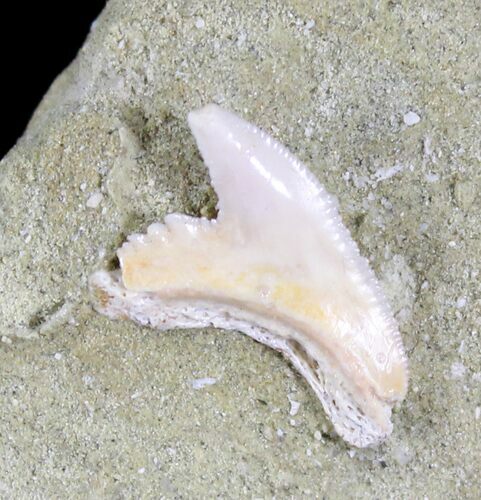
[[276, 264]]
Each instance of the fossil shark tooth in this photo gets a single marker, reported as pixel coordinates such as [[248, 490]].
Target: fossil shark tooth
[[278, 265]]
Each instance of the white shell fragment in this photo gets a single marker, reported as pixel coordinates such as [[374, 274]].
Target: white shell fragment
[[276, 264], [95, 199], [411, 118]]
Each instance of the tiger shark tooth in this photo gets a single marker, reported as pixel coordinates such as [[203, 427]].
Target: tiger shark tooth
[[278, 265]]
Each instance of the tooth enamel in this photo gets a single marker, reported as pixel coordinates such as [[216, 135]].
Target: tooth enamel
[[276, 264]]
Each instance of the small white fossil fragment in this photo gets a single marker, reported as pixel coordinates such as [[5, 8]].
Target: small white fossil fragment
[[276, 264], [295, 405], [458, 370], [95, 199], [411, 118], [199, 23], [200, 383]]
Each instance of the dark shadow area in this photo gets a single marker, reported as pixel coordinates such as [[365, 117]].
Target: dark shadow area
[[38, 40]]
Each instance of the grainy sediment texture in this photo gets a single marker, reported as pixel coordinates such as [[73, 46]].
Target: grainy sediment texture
[[108, 409]]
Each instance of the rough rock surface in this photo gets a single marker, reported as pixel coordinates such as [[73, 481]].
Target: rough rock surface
[[382, 103]]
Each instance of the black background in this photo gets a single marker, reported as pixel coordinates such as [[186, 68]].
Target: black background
[[38, 39]]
